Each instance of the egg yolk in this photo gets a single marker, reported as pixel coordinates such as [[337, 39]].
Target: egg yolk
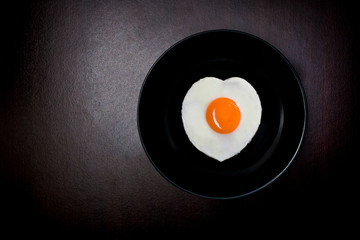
[[223, 115]]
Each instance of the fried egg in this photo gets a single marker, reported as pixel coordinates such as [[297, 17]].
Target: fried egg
[[220, 117]]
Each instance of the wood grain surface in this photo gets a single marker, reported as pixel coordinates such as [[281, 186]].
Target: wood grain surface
[[71, 161]]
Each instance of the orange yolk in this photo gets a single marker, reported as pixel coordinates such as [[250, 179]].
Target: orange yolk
[[223, 115]]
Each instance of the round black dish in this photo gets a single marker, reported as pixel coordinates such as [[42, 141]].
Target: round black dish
[[222, 54]]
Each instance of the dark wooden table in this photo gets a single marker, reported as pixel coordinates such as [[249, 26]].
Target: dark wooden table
[[71, 161]]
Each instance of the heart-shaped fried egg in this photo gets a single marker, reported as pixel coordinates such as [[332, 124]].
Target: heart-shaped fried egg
[[221, 117]]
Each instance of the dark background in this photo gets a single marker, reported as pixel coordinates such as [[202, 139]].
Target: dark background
[[71, 161]]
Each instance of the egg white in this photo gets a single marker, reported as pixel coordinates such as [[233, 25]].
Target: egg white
[[216, 145]]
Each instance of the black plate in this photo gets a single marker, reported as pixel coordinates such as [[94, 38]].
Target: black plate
[[222, 54]]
